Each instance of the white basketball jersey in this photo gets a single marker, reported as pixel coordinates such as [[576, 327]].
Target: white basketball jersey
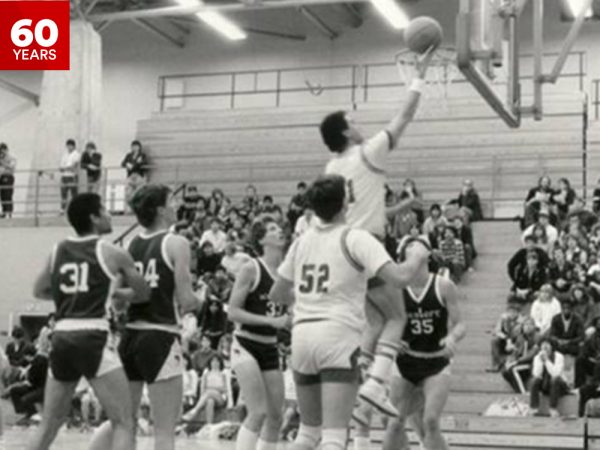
[[329, 266], [362, 167]]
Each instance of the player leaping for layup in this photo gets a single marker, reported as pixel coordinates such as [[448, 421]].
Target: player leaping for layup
[[363, 163]]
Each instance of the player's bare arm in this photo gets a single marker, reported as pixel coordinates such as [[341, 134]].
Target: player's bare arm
[[402, 206], [42, 287], [121, 262], [241, 288], [178, 249], [282, 292], [400, 275], [398, 124], [459, 330]]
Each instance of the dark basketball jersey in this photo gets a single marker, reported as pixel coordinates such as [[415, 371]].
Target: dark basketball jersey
[[427, 316], [149, 255], [258, 302], [81, 283]]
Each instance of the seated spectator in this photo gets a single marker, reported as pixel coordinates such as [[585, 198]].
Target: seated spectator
[[291, 412], [28, 395], [19, 351], [216, 202], [505, 332], [539, 233], [251, 201], [215, 235], [520, 257], [466, 236], [563, 198], [305, 222], [587, 218], [517, 366], [200, 223], [437, 236], [544, 308], [595, 237], [219, 285], [593, 279], [187, 210], [538, 198], [596, 198], [543, 221], [213, 392], [410, 191], [589, 358], [574, 253], [268, 206], [566, 330], [528, 279], [213, 321], [561, 274], [453, 253], [583, 305], [548, 377], [208, 260], [297, 205], [91, 409], [202, 355], [469, 203], [435, 218]]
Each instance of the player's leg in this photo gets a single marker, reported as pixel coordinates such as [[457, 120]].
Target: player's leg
[[338, 397], [389, 301], [404, 396], [112, 390], [308, 391], [254, 392], [269, 435], [436, 390], [166, 398], [57, 404]]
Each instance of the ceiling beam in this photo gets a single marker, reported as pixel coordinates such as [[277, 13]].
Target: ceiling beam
[[278, 34], [179, 26], [224, 8], [318, 23], [158, 32], [355, 15], [21, 92], [101, 26], [90, 6]]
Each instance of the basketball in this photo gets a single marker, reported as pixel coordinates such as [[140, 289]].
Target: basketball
[[422, 33]]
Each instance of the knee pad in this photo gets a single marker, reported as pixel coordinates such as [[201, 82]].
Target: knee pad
[[334, 439], [308, 436]]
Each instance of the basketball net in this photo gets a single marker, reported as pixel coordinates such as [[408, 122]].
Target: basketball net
[[442, 72]]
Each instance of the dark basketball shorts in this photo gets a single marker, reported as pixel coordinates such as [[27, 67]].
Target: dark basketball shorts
[[416, 370], [82, 353], [266, 355], [151, 355]]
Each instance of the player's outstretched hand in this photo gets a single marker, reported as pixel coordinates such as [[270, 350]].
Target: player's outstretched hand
[[281, 322]]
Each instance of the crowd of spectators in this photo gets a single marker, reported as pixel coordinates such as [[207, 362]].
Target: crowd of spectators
[[546, 341]]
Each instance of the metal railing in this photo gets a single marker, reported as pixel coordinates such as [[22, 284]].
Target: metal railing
[[358, 82], [595, 96]]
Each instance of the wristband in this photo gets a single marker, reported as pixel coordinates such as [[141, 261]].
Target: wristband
[[417, 85]]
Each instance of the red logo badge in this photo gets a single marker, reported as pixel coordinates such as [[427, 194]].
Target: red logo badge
[[34, 35]]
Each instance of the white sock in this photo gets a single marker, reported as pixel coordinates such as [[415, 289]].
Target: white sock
[[362, 443], [334, 439], [264, 445], [385, 356], [246, 439]]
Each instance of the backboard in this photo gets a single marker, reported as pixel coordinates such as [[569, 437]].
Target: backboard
[[487, 41]]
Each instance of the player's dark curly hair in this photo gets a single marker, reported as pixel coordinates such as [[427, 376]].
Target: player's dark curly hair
[[80, 210], [326, 196], [332, 131], [146, 201], [258, 230]]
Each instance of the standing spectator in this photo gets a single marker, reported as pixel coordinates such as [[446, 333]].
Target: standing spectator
[[548, 377], [69, 168], [469, 203], [216, 236], [135, 164], [7, 180], [538, 198], [298, 204], [567, 330], [505, 332], [91, 162], [544, 309], [528, 279], [435, 218]]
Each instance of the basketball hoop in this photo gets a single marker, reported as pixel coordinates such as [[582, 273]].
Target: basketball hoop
[[442, 71]]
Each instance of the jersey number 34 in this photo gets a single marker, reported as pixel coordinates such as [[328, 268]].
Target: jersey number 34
[[149, 273]]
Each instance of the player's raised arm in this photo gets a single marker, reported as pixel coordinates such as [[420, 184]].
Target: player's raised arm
[[132, 278], [241, 288], [178, 249], [398, 124], [401, 274], [459, 329], [282, 291], [42, 287]]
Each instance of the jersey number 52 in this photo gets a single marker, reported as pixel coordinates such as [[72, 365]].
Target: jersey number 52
[[314, 279]]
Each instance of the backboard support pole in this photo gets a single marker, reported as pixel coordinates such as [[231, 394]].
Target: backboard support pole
[[538, 50]]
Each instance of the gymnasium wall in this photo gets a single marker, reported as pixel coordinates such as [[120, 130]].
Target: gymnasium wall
[[134, 59]]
